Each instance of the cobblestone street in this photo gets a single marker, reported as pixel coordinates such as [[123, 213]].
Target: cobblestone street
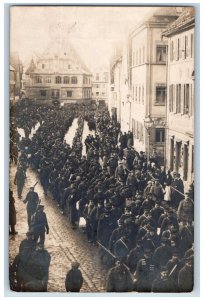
[[63, 243]]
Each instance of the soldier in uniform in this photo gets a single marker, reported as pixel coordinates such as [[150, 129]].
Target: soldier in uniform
[[12, 214], [19, 180], [74, 278], [32, 200], [145, 272], [185, 210], [119, 279], [177, 190], [186, 275], [161, 284], [40, 225]]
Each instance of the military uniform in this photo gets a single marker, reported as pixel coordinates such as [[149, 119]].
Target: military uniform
[[119, 279]]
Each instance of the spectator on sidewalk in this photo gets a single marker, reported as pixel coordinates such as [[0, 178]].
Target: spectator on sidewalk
[[12, 214]]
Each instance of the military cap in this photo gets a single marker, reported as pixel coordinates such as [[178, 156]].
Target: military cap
[[75, 264], [148, 245]]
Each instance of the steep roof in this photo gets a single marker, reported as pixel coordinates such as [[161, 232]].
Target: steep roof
[[31, 67], [161, 17], [185, 21], [11, 68], [61, 53]]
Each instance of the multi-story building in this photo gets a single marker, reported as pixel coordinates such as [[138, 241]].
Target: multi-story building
[[180, 99], [100, 84], [61, 75], [115, 89], [12, 83], [16, 63], [120, 99], [148, 81]]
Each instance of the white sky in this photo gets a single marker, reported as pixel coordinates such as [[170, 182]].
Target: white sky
[[92, 30]]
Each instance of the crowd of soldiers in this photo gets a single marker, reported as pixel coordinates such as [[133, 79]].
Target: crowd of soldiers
[[135, 211]]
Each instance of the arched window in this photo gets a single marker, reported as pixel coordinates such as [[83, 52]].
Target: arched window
[[58, 79], [74, 80], [66, 79]]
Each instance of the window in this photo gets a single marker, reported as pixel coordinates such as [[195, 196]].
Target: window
[[58, 79], [172, 51], [74, 80], [55, 93], [38, 79], [191, 104], [139, 93], [143, 54], [159, 135], [160, 95], [140, 56], [43, 93], [161, 53], [186, 46], [48, 79], [133, 58], [43, 66], [171, 98], [178, 49], [69, 67], [185, 162], [143, 94], [186, 99], [192, 44], [178, 98], [97, 93], [69, 93], [66, 79], [97, 76], [133, 91], [136, 94]]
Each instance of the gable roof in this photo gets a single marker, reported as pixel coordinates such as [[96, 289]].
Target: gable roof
[[63, 53], [185, 21]]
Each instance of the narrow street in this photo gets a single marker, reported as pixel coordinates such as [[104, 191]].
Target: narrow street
[[64, 244]]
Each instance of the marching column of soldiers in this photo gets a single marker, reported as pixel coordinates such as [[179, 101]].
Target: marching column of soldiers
[[134, 210]]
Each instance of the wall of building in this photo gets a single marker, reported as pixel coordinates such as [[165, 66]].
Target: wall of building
[[100, 86], [138, 87], [180, 105], [148, 82]]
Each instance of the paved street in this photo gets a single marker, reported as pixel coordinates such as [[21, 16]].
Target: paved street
[[63, 243]]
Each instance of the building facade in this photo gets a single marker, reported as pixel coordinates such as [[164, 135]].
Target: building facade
[[115, 89], [100, 85], [148, 82], [61, 76], [16, 63], [180, 98], [12, 83]]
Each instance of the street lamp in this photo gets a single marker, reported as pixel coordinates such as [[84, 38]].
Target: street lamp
[[148, 123]]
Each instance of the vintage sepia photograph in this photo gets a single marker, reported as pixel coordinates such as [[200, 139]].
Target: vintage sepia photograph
[[101, 151]]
